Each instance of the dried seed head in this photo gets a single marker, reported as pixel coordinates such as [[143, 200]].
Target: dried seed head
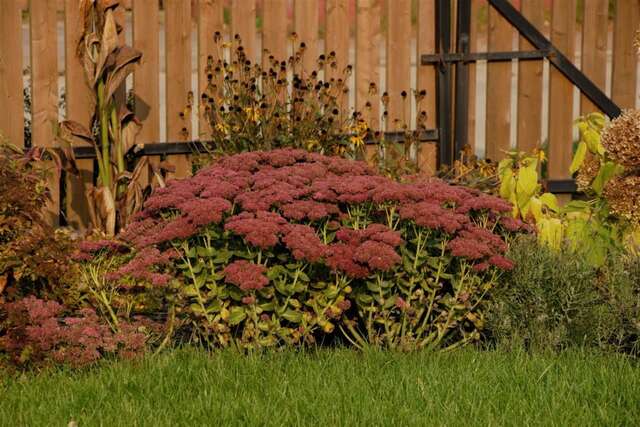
[[621, 138], [623, 195], [587, 172]]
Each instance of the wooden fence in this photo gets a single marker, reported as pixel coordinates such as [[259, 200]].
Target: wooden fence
[[523, 104]]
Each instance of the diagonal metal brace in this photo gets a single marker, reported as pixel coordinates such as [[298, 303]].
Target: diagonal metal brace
[[561, 62]]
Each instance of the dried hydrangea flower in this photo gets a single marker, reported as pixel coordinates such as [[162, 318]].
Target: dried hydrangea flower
[[623, 195], [621, 139], [587, 172]]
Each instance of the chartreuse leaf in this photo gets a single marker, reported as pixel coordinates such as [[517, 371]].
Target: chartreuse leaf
[[550, 231], [607, 171], [550, 201], [292, 316], [591, 138], [535, 207], [236, 315], [597, 120], [578, 158], [527, 184]]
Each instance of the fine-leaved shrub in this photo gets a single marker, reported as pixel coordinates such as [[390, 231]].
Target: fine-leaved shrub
[[275, 248], [553, 300]]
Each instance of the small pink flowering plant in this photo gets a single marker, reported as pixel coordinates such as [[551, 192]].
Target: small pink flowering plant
[[277, 248]]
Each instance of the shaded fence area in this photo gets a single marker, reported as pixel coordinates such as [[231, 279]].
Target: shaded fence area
[[523, 104]]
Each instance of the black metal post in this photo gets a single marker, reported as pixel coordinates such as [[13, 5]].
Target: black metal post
[[463, 31], [443, 82]]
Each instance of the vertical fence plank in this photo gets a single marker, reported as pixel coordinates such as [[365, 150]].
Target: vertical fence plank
[[625, 58], [80, 107], [337, 38], [498, 88], [274, 30], [210, 21], [178, 66], [529, 133], [306, 26], [243, 22], [563, 21], [367, 63], [426, 80], [146, 77], [594, 47], [44, 78], [398, 65], [11, 99], [471, 67]]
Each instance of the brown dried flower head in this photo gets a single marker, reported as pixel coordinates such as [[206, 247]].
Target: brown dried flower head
[[621, 138], [587, 172], [623, 195]]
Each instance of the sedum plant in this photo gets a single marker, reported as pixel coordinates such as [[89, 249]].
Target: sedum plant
[[113, 127], [267, 249]]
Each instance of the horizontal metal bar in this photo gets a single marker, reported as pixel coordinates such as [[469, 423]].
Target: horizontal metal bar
[[561, 62], [484, 56], [561, 186], [192, 147]]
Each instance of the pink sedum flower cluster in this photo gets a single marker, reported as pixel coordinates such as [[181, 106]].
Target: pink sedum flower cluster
[[281, 200]]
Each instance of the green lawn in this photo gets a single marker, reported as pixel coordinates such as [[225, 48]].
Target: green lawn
[[333, 387]]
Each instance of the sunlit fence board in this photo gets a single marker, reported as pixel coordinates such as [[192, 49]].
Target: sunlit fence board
[[306, 26], [498, 103], [625, 55], [80, 107], [210, 22], [594, 46], [11, 99], [178, 66], [563, 21], [337, 41], [426, 80], [44, 81], [274, 30], [529, 134], [399, 64], [243, 23]]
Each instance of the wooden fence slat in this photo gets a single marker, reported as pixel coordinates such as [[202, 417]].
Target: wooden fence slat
[[367, 63], [146, 77], [471, 67], [529, 135], [498, 88], [243, 22], [44, 83], [11, 98], [306, 26], [337, 38], [274, 30], [210, 21], [624, 53], [178, 68], [80, 107], [563, 21], [426, 80], [398, 66], [594, 47]]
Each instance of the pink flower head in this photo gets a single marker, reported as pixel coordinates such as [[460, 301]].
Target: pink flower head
[[303, 242], [261, 229], [246, 275]]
